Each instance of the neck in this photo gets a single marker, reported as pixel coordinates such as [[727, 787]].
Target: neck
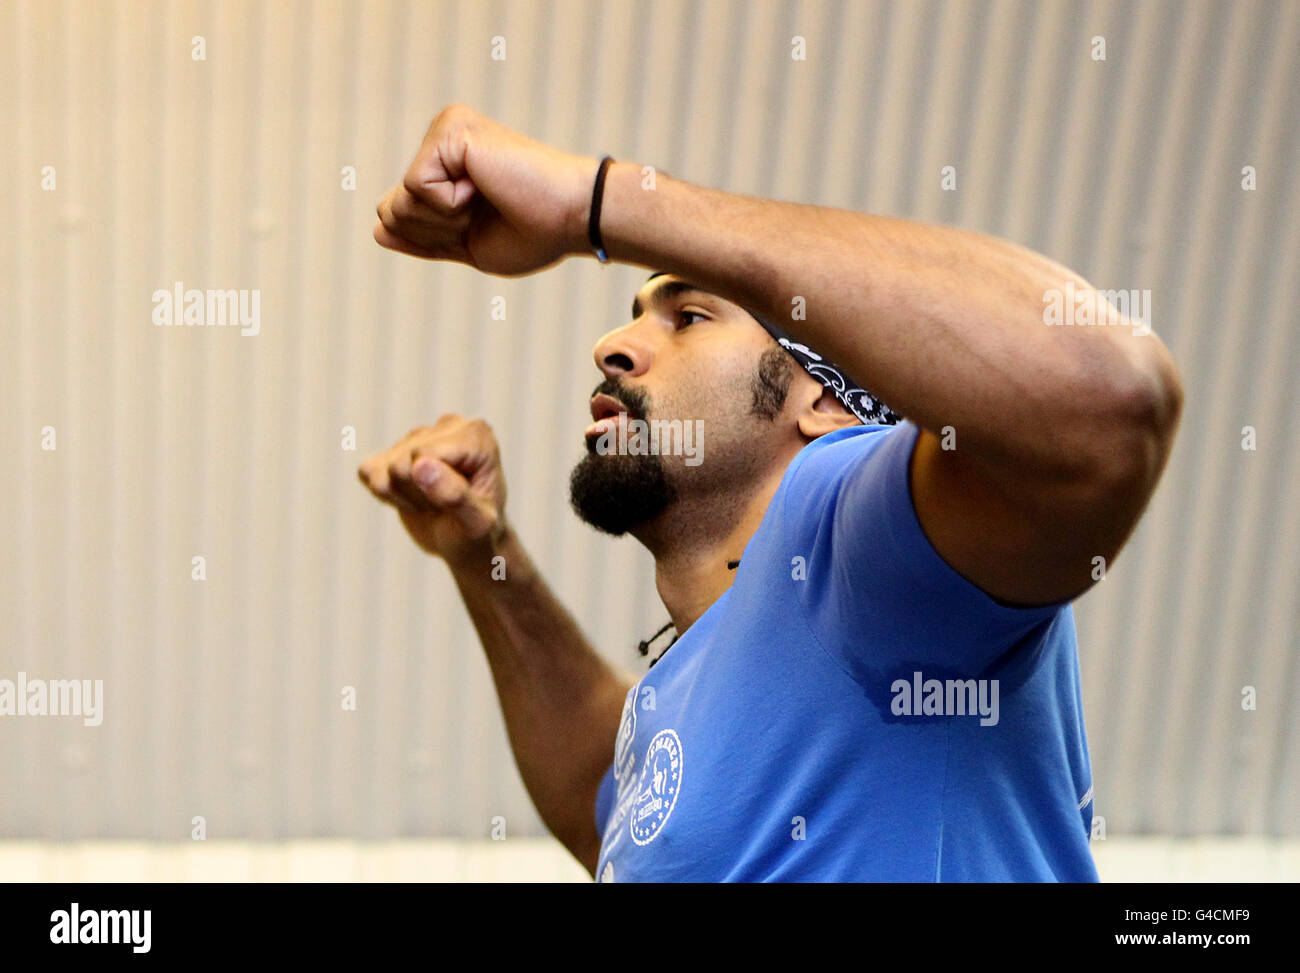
[[693, 543]]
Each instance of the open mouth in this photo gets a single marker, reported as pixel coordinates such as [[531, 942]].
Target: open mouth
[[605, 410]]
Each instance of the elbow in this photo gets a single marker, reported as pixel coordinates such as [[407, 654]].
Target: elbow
[[1142, 406]]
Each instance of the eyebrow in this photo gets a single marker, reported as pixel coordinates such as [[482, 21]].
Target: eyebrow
[[666, 292]]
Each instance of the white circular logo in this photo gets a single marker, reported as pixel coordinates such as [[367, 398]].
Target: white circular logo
[[658, 787]]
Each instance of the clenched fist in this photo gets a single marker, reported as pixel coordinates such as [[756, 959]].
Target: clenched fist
[[486, 196], [447, 485]]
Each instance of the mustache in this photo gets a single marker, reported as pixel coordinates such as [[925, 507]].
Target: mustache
[[636, 400]]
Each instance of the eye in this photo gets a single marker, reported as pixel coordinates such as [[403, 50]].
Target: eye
[[684, 316]]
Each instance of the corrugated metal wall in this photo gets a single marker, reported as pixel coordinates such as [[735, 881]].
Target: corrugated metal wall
[[222, 696]]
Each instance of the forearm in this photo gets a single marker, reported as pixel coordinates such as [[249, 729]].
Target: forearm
[[560, 699], [944, 325]]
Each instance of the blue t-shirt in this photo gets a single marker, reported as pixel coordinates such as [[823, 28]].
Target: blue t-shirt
[[852, 709]]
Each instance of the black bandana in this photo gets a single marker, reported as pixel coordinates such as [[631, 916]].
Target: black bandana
[[869, 409]]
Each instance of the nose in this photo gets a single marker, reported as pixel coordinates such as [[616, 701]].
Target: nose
[[624, 353]]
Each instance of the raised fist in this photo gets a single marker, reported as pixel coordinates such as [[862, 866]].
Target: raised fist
[[446, 482], [483, 195]]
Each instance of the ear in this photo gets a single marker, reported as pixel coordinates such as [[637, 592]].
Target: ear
[[821, 412]]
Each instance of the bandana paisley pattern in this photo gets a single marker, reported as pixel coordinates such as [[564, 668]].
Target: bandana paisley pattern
[[869, 409]]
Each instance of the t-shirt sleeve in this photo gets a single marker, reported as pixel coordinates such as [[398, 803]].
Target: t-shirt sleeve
[[876, 593]]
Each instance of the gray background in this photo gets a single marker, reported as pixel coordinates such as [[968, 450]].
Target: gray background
[[222, 696]]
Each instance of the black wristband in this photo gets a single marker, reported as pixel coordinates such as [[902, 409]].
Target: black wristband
[[593, 221]]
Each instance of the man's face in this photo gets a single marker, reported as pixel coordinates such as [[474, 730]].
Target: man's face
[[702, 384]]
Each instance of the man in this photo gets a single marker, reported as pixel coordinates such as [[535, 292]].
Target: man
[[875, 676]]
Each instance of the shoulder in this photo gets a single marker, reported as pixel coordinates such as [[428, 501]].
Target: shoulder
[[825, 464]]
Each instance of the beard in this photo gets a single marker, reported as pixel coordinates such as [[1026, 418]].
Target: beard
[[616, 493]]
